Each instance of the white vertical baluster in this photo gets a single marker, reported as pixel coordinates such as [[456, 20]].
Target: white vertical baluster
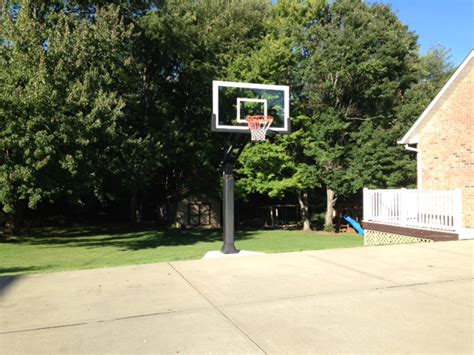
[[458, 223], [421, 211], [403, 207], [429, 205], [443, 210], [374, 197]]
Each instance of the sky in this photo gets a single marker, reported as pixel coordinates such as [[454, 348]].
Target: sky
[[449, 23]]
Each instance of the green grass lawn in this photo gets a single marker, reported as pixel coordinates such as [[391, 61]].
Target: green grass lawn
[[50, 250]]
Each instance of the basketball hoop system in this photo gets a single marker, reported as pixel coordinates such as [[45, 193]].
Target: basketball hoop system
[[259, 126], [238, 108]]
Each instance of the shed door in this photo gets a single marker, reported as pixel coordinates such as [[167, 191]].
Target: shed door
[[199, 214]]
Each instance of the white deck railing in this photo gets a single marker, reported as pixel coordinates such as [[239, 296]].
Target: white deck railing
[[433, 210]]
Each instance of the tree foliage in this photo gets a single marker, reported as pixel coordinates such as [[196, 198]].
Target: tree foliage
[[353, 68], [59, 102], [188, 46], [361, 60], [110, 100]]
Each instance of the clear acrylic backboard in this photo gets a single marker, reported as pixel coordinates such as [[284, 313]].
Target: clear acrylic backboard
[[232, 102]]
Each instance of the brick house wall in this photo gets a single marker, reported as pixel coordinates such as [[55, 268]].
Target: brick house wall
[[446, 143]]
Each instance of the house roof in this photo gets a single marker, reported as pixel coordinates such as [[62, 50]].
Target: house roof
[[411, 137]]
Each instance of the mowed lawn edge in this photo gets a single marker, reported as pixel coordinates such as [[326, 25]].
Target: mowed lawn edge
[[52, 250]]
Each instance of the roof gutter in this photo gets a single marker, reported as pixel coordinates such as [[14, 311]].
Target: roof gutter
[[412, 149]]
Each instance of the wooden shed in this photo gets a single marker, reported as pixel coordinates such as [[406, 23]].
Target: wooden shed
[[198, 210]]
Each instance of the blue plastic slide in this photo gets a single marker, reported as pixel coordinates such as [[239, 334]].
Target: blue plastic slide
[[356, 225]]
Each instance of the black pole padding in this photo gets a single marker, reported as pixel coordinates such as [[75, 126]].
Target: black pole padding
[[228, 247], [234, 147]]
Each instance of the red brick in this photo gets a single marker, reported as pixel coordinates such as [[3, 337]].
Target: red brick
[[446, 143]]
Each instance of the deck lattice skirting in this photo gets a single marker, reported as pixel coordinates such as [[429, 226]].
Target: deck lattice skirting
[[372, 238]]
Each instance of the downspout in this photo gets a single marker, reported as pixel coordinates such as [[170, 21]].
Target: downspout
[[419, 170]]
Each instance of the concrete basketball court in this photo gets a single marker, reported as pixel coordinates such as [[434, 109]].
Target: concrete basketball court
[[398, 299]]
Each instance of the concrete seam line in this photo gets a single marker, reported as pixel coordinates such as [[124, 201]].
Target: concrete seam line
[[164, 313], [44, 328], [411, 288], [336, 293], [349, 268], [218, 309]]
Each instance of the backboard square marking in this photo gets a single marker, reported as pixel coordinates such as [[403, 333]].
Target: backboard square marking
[[241, 99]]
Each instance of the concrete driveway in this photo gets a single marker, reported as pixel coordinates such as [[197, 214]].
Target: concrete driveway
[[402, 298]]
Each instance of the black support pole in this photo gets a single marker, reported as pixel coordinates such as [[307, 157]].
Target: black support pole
[[232, 151], [229, 247]]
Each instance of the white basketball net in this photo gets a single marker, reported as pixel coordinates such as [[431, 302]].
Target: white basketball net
[[258, 126]]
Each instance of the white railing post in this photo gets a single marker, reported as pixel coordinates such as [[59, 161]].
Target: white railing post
[[403, 207], [365, 204], [458, 210]]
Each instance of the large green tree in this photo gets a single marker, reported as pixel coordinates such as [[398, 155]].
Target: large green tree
[[378, 161], [278, 60], [111, 99], [59, 101], [360, 60], [127, 90], [187, 46], [348, 64]]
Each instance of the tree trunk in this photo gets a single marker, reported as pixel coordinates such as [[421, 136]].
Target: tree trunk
[[305, 218], [328, 226], [133, 205], [12, 222], [20, 209], [6, 221]]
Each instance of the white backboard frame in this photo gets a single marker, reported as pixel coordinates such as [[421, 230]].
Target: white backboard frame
[[216, 126]]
